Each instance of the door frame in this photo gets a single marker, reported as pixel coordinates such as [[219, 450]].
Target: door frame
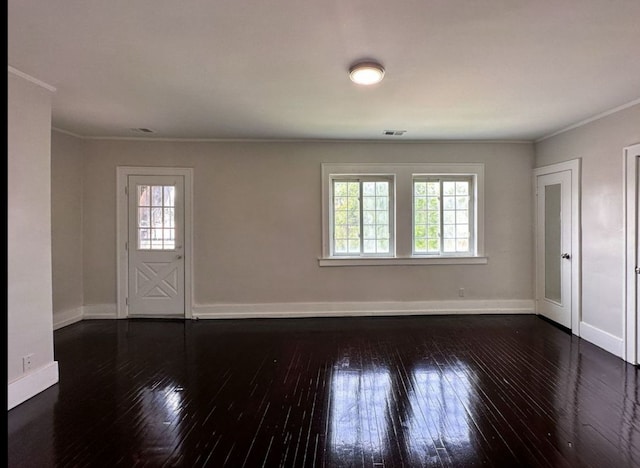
[[631, 238], [574, 166], [122, 232]]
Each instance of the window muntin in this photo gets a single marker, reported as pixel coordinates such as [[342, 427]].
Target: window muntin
[[156, 217], [442, 215], [362, 216]]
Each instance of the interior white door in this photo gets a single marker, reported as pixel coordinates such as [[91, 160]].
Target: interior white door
[[553, 246], [156, 279]]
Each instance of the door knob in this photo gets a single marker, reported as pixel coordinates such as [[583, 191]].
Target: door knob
[[178, 257], [565, 255]]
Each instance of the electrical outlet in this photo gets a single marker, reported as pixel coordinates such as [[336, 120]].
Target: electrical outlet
[[461, 292], [27, 362]]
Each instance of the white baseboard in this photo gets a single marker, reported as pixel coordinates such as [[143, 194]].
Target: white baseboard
[[602, 339], [347, 309], [31, 384], [100, 311], [67, 317]]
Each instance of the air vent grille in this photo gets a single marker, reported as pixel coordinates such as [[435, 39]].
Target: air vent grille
[[141, 130]]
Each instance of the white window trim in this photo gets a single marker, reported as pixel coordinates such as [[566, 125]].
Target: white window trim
[[403, 211]]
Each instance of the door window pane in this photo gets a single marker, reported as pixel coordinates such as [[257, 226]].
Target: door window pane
[[552, 243], [156, 211]]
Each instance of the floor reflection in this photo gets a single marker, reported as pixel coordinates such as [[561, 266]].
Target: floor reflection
[[438, 403], [364, 421], [358, 410]]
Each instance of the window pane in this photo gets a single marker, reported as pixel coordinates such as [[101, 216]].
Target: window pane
[[370, 246], [449, 203], [462, 245], [156, 217], [433, 245], [143, 238], [340, 189], [143, 195], [462, 203], [382, 232], [433, 188], [354, 232], [168, 219], [346, 217], [383, 246], [354, 246], [156, 196], [382, 189], [368, 188], [449, 217], [143, 217], [369, 203], [382, 217], [169, 195], [368, 217], [369, 232], [426, 216], [420, 217], [448, 188], [462, 188], [449, 231], [462, 231], [354, 189], [156, 210]]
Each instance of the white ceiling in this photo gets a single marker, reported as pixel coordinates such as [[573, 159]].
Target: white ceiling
[[262, 69]]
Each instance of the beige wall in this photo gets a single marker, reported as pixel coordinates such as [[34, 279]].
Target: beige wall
[[257, 222], [599, 144], [66, 224], [29, 308]]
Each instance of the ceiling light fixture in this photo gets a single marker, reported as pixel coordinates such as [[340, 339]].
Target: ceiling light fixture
[[366, 73]]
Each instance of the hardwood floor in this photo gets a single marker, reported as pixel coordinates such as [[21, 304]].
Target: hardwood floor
[[462, 391]]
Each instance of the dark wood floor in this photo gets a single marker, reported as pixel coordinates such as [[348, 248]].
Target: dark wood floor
[[503, 391]]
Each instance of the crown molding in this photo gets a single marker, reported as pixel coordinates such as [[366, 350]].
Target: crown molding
[[33, 80], [590, 119]]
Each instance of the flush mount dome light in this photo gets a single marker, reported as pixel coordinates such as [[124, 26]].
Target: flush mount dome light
[[366, 73]]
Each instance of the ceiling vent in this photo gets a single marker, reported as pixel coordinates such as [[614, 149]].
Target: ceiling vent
[[141, 130], [394, 132]]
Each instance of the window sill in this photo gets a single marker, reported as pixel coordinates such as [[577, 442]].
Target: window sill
[[377, 261]]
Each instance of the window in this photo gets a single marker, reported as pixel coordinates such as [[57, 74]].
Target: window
[[381, 214], [362, 215], [156, 217], [442, 215]]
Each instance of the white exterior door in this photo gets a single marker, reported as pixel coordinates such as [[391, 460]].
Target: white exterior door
[[155, 245], [554, 254]]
